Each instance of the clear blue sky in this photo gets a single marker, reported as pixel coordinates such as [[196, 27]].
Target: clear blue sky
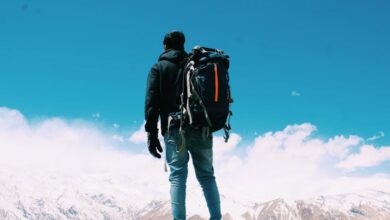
[[73, 58]]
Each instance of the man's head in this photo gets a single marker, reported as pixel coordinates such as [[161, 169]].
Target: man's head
[[174, 40]]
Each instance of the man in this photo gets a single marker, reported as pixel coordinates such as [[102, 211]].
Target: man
[[161, 100]]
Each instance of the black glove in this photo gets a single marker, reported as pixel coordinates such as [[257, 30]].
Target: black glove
[[154, 144]]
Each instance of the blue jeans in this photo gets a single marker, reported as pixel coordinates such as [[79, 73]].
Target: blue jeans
[[202, 157]]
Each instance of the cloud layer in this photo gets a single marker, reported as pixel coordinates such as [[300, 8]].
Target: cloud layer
[[376, 137], [293, 163], [290, 163]]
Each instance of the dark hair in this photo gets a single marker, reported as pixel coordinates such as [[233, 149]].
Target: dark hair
[[174, 40]]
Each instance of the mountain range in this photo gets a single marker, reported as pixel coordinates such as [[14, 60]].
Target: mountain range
[[58, 195]]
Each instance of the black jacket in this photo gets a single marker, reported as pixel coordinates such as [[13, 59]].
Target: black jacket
[[161, 90]]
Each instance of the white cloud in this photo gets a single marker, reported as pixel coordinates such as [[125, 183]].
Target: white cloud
[[339, 146], [11, 119], [116, 126], [376, 137], [295, 93], [221, 148], [139, 136], [368, 156], [119, 138], [291, 163], [52, 142], [96, 115]]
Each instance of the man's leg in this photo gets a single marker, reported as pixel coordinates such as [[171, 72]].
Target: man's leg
[[177, 162], [202, 157]]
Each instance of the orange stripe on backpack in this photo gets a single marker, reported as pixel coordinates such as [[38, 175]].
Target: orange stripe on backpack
[[216, 82]]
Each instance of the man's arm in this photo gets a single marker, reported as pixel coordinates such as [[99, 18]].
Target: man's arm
[[152, 111], [152, 100]]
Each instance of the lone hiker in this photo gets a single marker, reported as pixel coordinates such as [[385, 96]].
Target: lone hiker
[[162, 99]]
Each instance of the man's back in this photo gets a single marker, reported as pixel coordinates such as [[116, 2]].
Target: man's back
[[161, 95]]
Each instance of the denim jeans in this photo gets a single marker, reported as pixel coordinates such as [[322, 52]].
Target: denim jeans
[[202, 157]]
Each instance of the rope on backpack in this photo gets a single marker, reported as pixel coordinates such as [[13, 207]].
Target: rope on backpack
[[189, 94], [183, 111], [227, 127]]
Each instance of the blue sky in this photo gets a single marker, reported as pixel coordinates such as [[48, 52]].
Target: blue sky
[[76, 58]]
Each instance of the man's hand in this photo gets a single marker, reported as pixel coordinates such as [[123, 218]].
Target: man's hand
[[154, 144]]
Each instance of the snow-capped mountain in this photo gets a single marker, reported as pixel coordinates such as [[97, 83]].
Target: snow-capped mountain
[[60, 195], [367, 204]]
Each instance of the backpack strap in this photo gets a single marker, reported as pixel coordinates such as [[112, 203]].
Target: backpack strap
[[227, 127], [183, 111], [189, 88], [192, 93], [206, 115]]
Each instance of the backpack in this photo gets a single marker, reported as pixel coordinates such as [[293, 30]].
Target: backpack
[[205, 92]]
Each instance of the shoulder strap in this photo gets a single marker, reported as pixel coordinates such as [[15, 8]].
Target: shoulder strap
[[179, 78]]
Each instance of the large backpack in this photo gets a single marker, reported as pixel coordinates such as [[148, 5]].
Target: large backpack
[[205, 91]]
